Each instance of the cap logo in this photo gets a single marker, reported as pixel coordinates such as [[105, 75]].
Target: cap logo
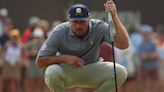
[[78, 12]]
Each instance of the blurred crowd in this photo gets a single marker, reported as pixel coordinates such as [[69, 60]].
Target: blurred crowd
[[18, 51], [144, 59]]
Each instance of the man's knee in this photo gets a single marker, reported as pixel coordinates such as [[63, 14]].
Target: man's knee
[[121, 73], [53, 78], [54, 73]]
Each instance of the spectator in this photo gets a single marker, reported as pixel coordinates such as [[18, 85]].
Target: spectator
[[13, 62], [27, 33], [125, 58], [149, 57], [44, 25], [4, 38], [160, 48], [34, 76]]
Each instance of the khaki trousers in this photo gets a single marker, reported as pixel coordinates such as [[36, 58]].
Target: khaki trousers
[[99, 75]]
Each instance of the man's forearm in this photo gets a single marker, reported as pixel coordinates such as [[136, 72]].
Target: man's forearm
[[122, 37], [43, 62]]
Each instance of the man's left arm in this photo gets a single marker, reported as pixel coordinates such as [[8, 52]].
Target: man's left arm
[[122, 37]]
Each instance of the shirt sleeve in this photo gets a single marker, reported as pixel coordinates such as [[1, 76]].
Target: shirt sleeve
[[106, 32], [50, 46]]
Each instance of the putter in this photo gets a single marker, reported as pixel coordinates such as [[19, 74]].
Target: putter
[[112, 38]]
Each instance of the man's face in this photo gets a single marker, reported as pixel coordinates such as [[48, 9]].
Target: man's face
[[80, 28], [148, 36]]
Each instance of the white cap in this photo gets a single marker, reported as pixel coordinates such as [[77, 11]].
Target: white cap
[[4, 12], [38, 33]]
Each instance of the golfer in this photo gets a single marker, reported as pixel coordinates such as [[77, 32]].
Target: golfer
[[70, 54]]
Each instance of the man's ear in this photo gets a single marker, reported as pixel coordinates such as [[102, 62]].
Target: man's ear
[[90, 17], [68, 19]]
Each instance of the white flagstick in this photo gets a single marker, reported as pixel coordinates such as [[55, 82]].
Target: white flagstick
[[112, 38]]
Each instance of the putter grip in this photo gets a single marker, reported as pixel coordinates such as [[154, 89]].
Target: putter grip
[[111, 27]]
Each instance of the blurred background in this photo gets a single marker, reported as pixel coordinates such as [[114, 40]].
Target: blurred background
[[25, 24]]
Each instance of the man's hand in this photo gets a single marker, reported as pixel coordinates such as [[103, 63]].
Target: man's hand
[[73, 61], [110, 7]]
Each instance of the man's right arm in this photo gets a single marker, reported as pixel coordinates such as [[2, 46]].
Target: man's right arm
[[45, 61], [47, 54]]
